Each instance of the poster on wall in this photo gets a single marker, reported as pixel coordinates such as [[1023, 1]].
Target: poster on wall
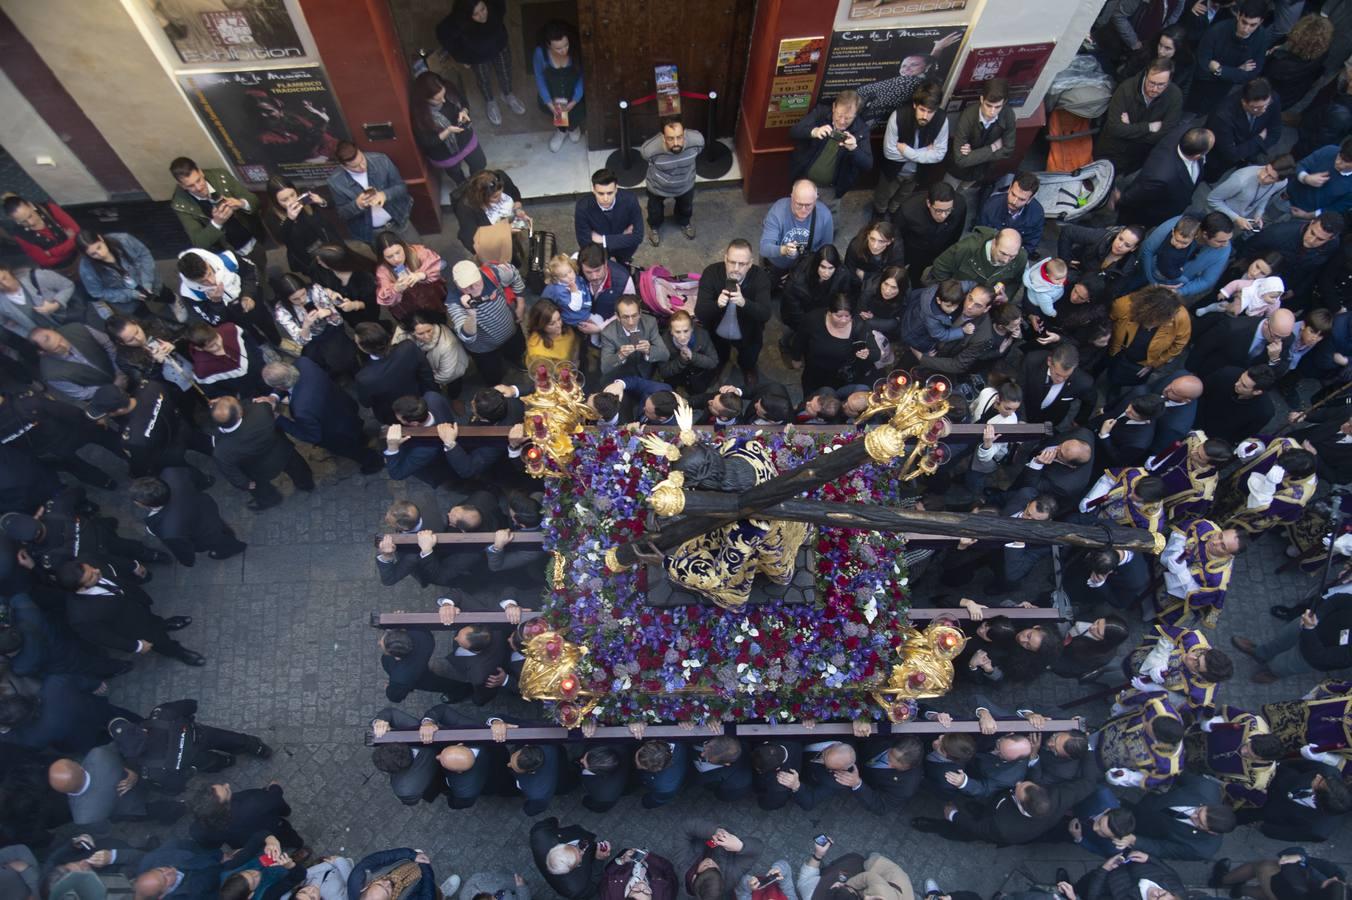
[[216, 32], [668, 91], [864, 12], [1019, 64], [796, 67], [887, 61], [270, 121]]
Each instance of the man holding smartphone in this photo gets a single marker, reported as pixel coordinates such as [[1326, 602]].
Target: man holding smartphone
[[219, 213], [733, 305]]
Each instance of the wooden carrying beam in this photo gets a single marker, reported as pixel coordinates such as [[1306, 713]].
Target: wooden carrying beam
[[918, 614], [1015, 432], [611, 733], [481, 538]]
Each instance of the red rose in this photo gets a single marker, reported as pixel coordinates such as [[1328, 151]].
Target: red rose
[[852, 643], [760, 661]]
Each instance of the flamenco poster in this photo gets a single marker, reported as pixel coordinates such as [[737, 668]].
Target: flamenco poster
[[270, 121]]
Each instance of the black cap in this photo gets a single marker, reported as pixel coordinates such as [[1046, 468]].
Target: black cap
[[20, 527], [107, 399]]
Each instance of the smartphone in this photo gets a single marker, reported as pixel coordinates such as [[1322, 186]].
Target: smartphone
[[711, 843], [821, 840], [859, 345], [730, 286], [640, 855], [768, 878]]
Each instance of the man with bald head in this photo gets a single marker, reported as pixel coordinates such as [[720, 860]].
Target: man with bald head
[[250, 451], [993, 258], [995, 768], [1180, 410], [183, 870], [101, 788], [796, 226], [470, 769], [1245, 341], [831, 768], [1062, 467], [76, 360]]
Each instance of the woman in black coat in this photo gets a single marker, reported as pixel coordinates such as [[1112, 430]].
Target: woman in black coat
[[880, 301], [298, 224], [353, 277], [876, 247], [1099, 258], [810, 287], [838, 348]]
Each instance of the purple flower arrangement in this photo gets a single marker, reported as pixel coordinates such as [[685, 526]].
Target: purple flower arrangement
[[772, 661]]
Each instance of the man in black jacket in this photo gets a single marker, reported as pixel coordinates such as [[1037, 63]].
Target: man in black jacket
[[929, 224], [894, 768], [54, 432], [115, 613], [1167, 180], [170, 746], [832, 146], [1131, 876], [1247, 125], [476, 665], [1245, 341], [1317, 642], [1143, 110], [736, 319], [154, 434], [250, 451], [769, 761], [605, 775], [412, 769], [1306, 248], [569, 857], [722, 768], [223, 815], [1306, 801], [1018, 816], [185, 518], [390, 372], [1062, 466], [1234, 403], [1126, 430], [1188, 821], [406, 655], [1054, 389]]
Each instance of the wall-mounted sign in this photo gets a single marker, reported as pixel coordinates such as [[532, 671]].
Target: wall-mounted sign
[[270, 121], [668, 91], [796, 67], [886, 57], [862, 12], [1019, 64], [219, 32]]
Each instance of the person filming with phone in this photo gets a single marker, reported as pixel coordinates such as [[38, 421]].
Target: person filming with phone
[[638, 874], [832, 147]]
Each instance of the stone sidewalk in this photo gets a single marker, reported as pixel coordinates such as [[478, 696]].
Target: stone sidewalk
[[291, 657]]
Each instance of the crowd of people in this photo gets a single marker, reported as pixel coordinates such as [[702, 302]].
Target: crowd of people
[[1153, 342]]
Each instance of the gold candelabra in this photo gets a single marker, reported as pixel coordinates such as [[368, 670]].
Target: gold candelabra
[[917, 414], [925, 669], [555, 410]]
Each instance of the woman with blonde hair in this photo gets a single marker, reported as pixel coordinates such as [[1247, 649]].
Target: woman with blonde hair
[[548, 337], [409, 278]]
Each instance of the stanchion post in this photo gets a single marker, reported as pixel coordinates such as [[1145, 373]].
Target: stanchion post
[[626, 151], [628, 166], [714, 161]]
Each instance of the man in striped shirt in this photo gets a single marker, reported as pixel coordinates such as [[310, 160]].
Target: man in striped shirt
[[486, 315]]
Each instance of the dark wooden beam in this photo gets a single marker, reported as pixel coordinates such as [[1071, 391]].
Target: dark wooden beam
[[961, 434], [479, 538], [612, 733]]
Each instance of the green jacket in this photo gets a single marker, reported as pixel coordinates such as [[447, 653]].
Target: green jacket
[[967, 260], [203, 234]]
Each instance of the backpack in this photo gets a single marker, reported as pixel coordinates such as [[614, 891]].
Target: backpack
[[664, 293]]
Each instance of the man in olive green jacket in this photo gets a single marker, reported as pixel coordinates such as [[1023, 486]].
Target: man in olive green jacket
[[219, 213]]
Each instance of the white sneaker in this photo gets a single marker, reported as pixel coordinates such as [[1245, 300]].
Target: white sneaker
[[450, 886], [514, 104], [494, 114], [555, 141], [575, 135]]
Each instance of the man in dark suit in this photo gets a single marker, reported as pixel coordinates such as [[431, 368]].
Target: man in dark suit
[[1247, 125], [1327, 431], [390, 372], [1126, 430], [605, 776], [893, 767], [831, 769], [1234, 403], [1306, 801], [418, 457], [1165, 185], [183, 870], [1062, 467], [1019, 816], [65, 715], [412, 769], [1053, 387], [114, 612], [769, 761], [223, 815], [736, 320], [569, 857], [1011, 562], [1180, 397], [100, 788], [469, 770], [1188, 821], [661, 767], [405, 655], [722, 768], [995, 769], [1245, 341], [426, 561], [250, 451], [489, 459], [1306, 247], [1063, 756], [929, 224], [321, 412], [1129, 876], [184, 518], [476, 665]]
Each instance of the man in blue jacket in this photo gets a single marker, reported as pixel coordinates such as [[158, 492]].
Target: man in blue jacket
[[1323, 182], [609, 217], [370, 194], [1205, 250], [321, 413], [1306, 248], [832, 146]]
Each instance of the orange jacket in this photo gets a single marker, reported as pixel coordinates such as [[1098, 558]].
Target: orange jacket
[[1170, 338]]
